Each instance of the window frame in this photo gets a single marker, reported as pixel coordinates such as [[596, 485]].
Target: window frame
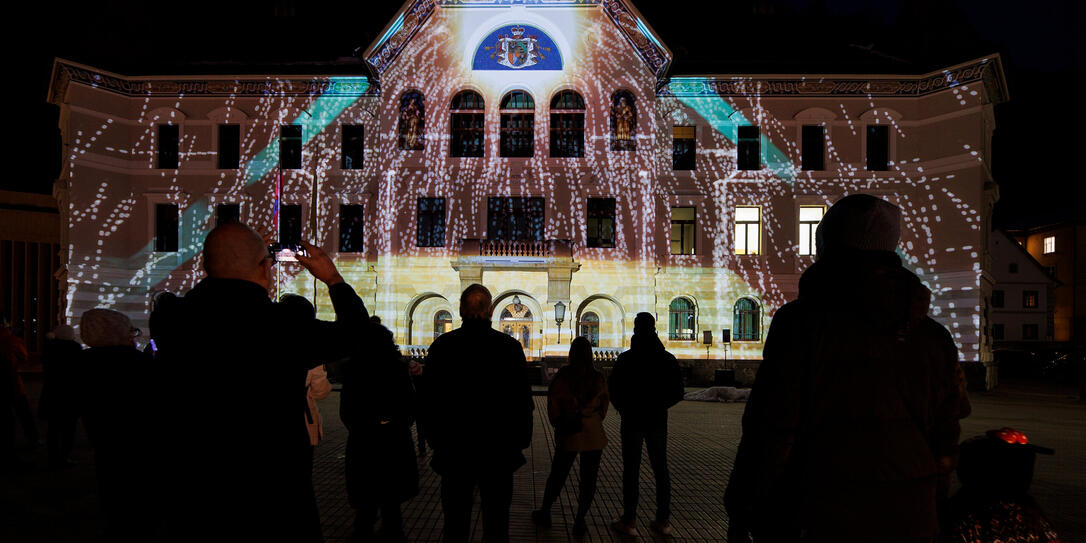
[[682, 231], [868, 146], [509, 135], [676, 314], [163, 247], [1029, 296], [535, 226], [811, 227], [584, 322], [220, 146], [747, 141], [283, 138], [447, 323], [474, 130], [1048, 245], [219, 207], [1001, 299], [301, 222], [678, 164], [559, 133], [803, 153], [343, 147], [160, 149], [746, 234], [340, 234], [599, 226], [755, 334], [436, 227]]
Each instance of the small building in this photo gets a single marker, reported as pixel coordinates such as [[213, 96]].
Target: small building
[[1060, 249], [1021, 306]]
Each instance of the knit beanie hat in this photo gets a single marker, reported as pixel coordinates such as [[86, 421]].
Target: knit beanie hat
[[860, 222], [105, 328]]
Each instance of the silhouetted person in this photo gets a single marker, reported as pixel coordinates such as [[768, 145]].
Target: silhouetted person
[[317, 386], [577, 403], [418, 380], [645, 383], [238, 462], [377, 406], [116, 398], [14, 348], [993, 504], [852, 425], [478, 416], [59, 403], [8, 359], [162, 309]]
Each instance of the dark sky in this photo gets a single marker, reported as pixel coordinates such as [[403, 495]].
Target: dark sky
[[1035, 163]]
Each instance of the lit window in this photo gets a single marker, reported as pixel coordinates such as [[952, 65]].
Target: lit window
[[442, 323], [748, 230], [682, 230], [590, 328], [1050, 244], [684, 148], [466, 125], [166, 224], [809, 217], [749, 153], [813, 152], [351, 229], [681, 320], [169, 144], [1029, 299], [601, 222], [746, 321], [290, 146], [517, 138], [431, 222], [567, 125]]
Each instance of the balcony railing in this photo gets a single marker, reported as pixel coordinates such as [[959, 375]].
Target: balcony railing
[[517, 248]]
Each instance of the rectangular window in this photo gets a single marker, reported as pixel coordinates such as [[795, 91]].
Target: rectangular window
[[290, 224], [229, 146], [169, 145], [601, 222], [684, 151], [166, 228], [1051, 271], [809, 217], [354, 147], [997, 332], [814, 143], [430, 227], [1029, 331], [351, 229], [748, 222], [515, 218], [749, 155], [227, 213], [467, 135], [290, 146], [567, 135], [517, 134], [998, 299], [878, 147], [1012, 267], [1050, 244], [1029, 299], [683, 220]]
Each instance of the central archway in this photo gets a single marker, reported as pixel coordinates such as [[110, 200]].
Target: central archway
[[519, 315]]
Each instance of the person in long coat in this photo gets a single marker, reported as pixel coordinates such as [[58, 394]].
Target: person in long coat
[[377, 405], [59, 403], [577, 402], [851, 430]]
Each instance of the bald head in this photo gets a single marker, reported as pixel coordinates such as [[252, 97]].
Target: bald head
[[475, 303], [235, 251]]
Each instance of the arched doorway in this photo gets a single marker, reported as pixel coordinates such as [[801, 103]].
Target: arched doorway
[[517, 321]]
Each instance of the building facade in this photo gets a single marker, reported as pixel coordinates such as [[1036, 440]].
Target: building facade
[[1021, 308], [1061, 250], [544, 150], [29, 259]]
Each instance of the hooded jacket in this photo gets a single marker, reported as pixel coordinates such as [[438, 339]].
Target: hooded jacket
[[851, 429]]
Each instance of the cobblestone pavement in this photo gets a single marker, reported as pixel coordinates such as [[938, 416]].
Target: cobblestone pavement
[[57, 506]]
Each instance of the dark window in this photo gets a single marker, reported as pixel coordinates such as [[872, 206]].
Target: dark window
[[746, 322], [290, 146], [229, 146], [515, 218], [1029, 299], [684, 148], [749, 149], [680, 320], [290, 224], [997, 332], [682, 230], [623, 121], [351, 229], [1029, 331], [442, 323], [169, 143], [878, 147], [814, 143], [517, 125], [466, 125], [354, 147], [601, 222], [1051, 271], [227, 213], [412, 123], [166, 228], [589, 328], [430, 228], [998, 300], [567, 125], [1012, 267]]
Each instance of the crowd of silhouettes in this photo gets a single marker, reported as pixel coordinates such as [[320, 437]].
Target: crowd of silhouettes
[[850, 433]]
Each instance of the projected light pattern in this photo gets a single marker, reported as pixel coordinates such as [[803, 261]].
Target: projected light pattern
[[429, 53]]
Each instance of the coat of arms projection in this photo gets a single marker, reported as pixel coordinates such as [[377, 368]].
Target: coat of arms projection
[[517, 47]]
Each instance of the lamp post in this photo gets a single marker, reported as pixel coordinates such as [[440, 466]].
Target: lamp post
[[559, 316]]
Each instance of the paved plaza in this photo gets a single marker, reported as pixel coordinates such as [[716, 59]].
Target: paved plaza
[[40, 505]]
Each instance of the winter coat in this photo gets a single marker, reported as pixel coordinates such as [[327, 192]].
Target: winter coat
[[317, 387], [234, 368], [478, 408], [60, 366], [377, 405], [116, 399], [645, 383], [562, 401], [852, 424]]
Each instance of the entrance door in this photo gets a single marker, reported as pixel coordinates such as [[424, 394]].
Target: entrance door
[[516, 320]]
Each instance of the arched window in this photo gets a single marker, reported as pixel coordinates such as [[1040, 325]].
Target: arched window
[[517, 124], [681, 320], [442, 323], [590, 328], [746, 325], [567, 124], [516, 320], [412, 121], [466, 125], [623, 121]]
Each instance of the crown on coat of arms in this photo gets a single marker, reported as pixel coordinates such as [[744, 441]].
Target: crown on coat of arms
[[517, 31]]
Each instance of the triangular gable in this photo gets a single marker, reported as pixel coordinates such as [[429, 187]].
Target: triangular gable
[[413, 15]]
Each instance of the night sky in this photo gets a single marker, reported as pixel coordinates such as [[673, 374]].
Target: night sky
[[1038, 137]]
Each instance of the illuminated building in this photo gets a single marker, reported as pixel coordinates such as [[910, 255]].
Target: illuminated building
[[1022, 303], [544, 150], [1061, 250]]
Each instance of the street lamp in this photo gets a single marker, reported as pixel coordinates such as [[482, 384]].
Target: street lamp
[[559, 316]]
